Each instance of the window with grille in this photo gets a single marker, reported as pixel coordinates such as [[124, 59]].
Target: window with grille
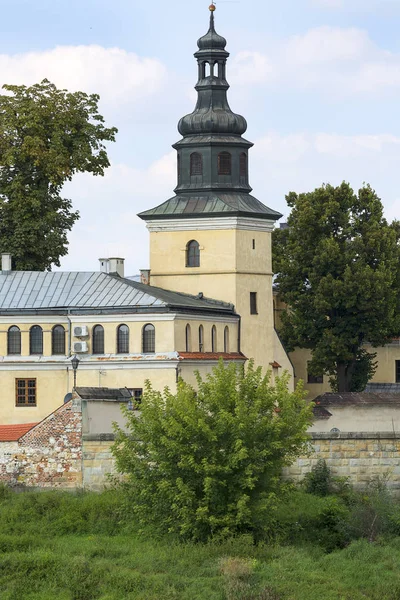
[[149, 339], [243, 167], [224, 163], [123, 339], [196, 164], [201, 338], [193, 254], [137, 394], [253, 303], [213, 339], [226, 339], [188, 338], [36, 340], [316, 378], [14, 340], [58, 340], [25, 392], [98, 339]]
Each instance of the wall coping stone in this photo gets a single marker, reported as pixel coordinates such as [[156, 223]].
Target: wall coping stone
[[98, 437], [355, 435]]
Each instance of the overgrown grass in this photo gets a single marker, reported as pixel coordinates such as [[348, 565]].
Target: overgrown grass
[[86, 547]]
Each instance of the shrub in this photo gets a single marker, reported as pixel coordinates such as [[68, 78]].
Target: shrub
[[209, 462], [319, 480]]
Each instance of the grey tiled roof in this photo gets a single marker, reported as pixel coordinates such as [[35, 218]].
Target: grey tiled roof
[[103, 393], [357, 399], [211, 204], [34, 290]]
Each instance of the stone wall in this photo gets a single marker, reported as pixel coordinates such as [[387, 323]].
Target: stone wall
[[362, 457], [98, 461], [49, 455]]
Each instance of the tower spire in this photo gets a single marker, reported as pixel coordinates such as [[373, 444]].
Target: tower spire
[[212, 154]]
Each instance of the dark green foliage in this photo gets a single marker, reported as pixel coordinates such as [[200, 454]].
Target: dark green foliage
[[46, 136], [208, 463], [318, 480], [338, 272]]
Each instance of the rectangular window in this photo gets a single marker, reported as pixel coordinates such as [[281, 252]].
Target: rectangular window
[[253, 303], [25, 392], [254, 244], [397, 371], [314, 378], [137, 394]]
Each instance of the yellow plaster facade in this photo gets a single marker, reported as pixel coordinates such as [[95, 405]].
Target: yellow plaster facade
[[54, 374], [235, 260]]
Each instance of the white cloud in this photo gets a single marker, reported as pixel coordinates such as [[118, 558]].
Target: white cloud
[[109, 225], [331, 60], [250, 67], [119, 77]]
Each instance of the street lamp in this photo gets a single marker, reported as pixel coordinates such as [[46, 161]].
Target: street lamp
[[75, 363]]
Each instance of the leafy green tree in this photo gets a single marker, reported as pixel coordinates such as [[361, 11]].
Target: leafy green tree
[[207, 462], [46, 136], [337, 267]]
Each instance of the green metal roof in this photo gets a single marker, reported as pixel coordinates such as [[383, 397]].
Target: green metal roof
[[212, 204]]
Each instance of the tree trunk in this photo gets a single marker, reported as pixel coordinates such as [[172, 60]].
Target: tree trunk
[[344, 375]]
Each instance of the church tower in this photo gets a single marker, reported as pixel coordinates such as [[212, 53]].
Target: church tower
[[213, 237]]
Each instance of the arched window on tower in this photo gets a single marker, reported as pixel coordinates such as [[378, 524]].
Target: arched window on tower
[[226, 339], [188, 338], [14, 340], [224, 163], [201, 338], [213, 339], [192, 254], [98, 339], [243, 167], [196, 163], [178, 167]]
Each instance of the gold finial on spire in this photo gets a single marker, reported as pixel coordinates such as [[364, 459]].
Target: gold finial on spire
[[212, 7]]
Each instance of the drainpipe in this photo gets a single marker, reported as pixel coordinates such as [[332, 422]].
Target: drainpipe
[[69, 344], [239, 333]]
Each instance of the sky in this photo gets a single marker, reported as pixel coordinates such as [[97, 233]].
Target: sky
[[317, 80]]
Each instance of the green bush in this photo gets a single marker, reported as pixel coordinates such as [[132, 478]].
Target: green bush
[[208, 463]]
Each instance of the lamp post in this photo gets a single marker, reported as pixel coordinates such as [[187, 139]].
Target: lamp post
[[75, 363]]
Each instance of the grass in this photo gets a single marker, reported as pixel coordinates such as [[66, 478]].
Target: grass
[[85, 547]]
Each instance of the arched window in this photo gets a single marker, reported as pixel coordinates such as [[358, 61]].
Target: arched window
[[201, 338], [193, 254], [224, 163], [98, 339], [213, 339], [226, 339], [188, 338], [14, 340], [36, 340], [243, 167], [123, 339], [178, 167], [58, 340], [149, 339], [196, 164]]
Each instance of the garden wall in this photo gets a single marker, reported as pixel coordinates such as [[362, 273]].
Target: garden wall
[[360, 456]]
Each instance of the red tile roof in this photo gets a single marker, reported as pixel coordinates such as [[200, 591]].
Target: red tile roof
[[211, 355], [12, 433]]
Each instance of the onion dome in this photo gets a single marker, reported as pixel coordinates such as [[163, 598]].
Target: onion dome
[[211, 40]]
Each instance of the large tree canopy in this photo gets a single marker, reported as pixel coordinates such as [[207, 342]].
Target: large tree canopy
[[46, 135], [337, 267]]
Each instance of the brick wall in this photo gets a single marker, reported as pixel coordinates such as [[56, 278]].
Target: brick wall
[[49, 455], [359, 456]]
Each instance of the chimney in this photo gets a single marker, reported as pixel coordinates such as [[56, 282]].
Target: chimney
[[145, 276], [116, 265], [6, 262], [103, 265]]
